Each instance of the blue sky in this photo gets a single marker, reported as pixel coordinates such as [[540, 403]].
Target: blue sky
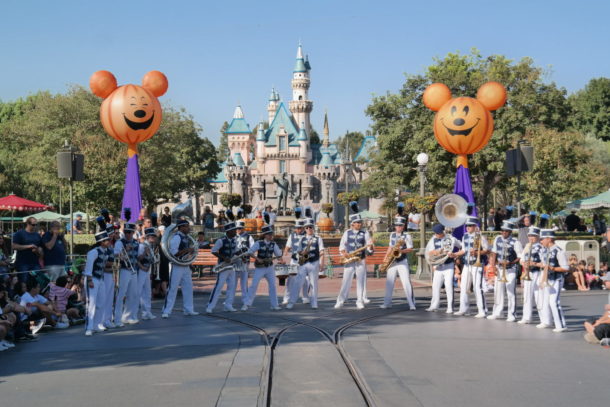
[[217, 54]]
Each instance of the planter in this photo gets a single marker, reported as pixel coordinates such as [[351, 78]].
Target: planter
[[251, 225], [326, 225]]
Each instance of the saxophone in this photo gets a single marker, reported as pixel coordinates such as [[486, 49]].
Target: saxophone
[[353, 257], [304, 254], [391, 257], [544, 277]]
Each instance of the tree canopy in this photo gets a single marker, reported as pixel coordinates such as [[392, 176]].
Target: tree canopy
[[176, 159], [405, 129], [591, 109]]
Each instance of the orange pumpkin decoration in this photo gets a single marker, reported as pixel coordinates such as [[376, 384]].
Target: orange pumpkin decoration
[[130, 113], [464, 125], [326, 225]]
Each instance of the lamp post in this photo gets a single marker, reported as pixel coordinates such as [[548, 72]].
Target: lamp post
[[230, 169], [422, 161]]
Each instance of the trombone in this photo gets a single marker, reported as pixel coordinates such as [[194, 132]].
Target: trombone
[[504, 261]]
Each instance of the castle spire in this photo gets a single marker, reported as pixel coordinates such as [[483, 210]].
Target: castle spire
[[326, 140], [238, 114]]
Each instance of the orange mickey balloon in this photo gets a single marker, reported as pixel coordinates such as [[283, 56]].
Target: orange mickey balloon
[[464, 125], [130, 113]]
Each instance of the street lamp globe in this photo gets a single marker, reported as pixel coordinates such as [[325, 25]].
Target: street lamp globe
[[422, 159]]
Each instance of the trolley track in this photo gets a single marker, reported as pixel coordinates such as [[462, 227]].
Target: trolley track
[[333, 336]]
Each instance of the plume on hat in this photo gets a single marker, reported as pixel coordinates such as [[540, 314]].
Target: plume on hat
[[154, 219], [266, 217], [544, 220], [400, 208], [104, 212], [240, 213], [230, 215], [354, 206], [297, 212], [308, 212], [101, 222], [127, 214]]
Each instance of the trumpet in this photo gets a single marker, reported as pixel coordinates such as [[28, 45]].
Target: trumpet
[[477, 245], [124, 257]]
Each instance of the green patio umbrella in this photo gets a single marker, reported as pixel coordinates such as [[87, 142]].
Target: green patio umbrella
[[47, 216], [598, 201]]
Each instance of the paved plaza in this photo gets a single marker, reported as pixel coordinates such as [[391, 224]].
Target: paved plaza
[[299, 357]]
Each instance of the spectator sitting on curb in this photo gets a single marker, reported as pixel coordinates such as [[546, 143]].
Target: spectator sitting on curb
[[59, 295], [598, 331]]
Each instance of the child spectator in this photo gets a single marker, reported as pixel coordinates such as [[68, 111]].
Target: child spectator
[[579, 276], [41, 309], [59, 295], [592, 278]]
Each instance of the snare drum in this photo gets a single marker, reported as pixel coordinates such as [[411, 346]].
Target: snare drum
[[281, 271]]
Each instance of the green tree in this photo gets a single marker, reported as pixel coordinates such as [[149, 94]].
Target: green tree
[[223, 145], [565, 169], [591, 107], [404, 124], [314, 137], [176, 159], [353, 141]]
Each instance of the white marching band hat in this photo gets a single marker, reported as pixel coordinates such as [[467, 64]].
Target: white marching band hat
[[309, 222], [400, 221], [547, 233], [355, 217], [240, 224], [472, 221], [507, 225], [533, 231]]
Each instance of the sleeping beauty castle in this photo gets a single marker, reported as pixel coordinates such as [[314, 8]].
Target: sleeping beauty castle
[[266, 163]]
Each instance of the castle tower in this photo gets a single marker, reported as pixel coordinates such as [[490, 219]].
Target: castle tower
[[326, 140], [274, 101], [300, 105], [238, 136], [326, 171], [260, 144]]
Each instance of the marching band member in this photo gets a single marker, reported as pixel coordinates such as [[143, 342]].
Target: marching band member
[[109, 279], [354, 240], [244, 241], [400, 265], [555, 262], [472, 273], [442, 272], [264, 251], [224, 249], [506, 252], [94, 271], [126, 249], [292, 246], [147, 258], [529, 260], [312, 248], [180, 276]]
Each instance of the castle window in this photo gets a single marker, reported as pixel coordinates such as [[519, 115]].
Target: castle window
[[282, 143], [282, 166], [300, 97]]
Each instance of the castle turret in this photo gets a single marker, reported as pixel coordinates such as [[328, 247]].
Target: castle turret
[[260, 143], [274, 100], [302, 139], [300, 105], [238, 135]]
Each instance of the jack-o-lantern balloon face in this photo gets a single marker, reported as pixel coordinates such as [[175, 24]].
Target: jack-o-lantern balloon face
[[130, 113], [464, 125]]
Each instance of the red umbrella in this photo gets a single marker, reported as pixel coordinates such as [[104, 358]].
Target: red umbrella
[[15, 203]]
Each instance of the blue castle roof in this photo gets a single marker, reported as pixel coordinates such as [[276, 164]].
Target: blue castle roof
[[282, 119]]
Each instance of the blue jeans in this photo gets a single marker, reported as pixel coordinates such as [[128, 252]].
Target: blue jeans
[[22, 271]]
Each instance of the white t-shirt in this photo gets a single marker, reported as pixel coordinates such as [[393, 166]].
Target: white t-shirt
[[414, 217], [27, 299]]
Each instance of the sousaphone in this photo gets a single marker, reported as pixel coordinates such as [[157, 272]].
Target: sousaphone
[[451, 210], [182, 211]]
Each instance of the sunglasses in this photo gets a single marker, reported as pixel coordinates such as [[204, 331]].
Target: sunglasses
[[308, 227], [32, 224]]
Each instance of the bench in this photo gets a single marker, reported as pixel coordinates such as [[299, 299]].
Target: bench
[[205, 259], [376, 259]]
